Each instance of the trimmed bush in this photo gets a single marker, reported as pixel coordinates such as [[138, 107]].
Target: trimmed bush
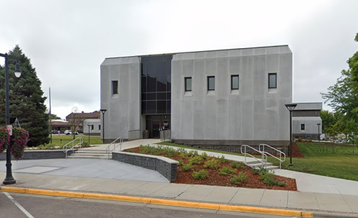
[[239, 165], [195, 160], [212, 164], [240, 178], [187, 167], [226, 171], [200, 174]]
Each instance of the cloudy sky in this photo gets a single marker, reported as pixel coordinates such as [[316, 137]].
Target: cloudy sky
[[67, 40]]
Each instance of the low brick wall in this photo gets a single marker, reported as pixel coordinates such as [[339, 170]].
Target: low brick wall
[[40, 154], [165, 166]]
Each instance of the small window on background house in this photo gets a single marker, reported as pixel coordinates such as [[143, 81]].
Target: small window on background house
[[188, 83], [211, 83], [114, 87], [99, 127], [92, 127], [234, 82], [303, 127], [272, 80]]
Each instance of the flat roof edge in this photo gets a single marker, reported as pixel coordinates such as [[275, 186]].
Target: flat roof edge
[[174, 53]]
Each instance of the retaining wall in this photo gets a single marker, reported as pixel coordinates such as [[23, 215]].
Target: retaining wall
[[165, 166], [40, 154]]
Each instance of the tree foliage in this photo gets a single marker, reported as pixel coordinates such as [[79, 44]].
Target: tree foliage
[[26, 99], [343, 97]]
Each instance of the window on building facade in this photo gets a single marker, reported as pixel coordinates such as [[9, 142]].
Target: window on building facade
[[272, 80], [303, 127], [99, 127], [114, 87], [211, 83], [156, 84], [92, 127], [187, 81], [234, 82]]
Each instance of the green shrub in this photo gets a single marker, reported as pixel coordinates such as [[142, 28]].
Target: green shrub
[[239, 165], [259, 171], [180, 162], [195, 160], [282, 184], [200, 174], [227, 171], [171, 152], [205, 156], [223, 160], [183, 154], [270, 180], [187, 167], [193, 153], [181, 150], [240, 178], [212, 164]]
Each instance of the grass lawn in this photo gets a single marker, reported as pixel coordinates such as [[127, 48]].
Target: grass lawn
[[320, 159]]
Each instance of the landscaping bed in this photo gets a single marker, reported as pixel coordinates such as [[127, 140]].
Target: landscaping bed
[[203, 169]]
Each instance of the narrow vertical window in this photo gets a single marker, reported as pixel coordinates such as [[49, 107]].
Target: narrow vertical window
[[272, 80], [187, 81], [303, 127], [234, 82], [211, 83], [99, 127], [92, 127], [114, 87]]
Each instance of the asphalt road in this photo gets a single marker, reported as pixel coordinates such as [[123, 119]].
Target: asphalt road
[[34, 206]]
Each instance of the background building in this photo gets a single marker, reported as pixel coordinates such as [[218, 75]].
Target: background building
[[306, 120], [77, 119], [221, 98], [59, 126], [92, 126]]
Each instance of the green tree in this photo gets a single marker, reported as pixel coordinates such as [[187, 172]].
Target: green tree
[[328, 121], [54, 117], [343, 96], [26, 99]]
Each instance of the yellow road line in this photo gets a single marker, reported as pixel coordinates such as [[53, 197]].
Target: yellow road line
[[156, 201]]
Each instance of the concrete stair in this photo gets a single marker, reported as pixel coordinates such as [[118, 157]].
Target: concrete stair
[[258, 164], [90, 154]]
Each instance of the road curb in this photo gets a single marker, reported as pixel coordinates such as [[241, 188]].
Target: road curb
[[156, 201]]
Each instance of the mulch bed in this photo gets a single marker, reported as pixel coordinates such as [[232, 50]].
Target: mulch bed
[[296, 151], [214, 178]]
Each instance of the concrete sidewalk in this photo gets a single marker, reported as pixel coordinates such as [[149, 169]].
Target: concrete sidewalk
[[318, 194]]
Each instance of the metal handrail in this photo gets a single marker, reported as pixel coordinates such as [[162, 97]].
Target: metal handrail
[[109, 150], [263, 161], [66, 149], [275, 149]]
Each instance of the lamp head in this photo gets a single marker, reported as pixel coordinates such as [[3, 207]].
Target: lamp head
[[17, 70], [290, 107]]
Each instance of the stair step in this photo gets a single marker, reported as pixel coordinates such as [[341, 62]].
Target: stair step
[[89, 157], [267, 164]]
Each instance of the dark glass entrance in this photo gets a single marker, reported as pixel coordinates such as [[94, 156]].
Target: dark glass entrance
[[155, 123]]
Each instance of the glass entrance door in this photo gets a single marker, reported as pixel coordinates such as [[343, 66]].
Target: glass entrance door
[[156, 123]]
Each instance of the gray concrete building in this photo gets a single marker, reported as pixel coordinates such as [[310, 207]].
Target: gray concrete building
[[92, 126], [306, 120], [206, 98]]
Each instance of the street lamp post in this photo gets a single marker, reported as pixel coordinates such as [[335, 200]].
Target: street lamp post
[[89, 135], [319, 138], [9, 178], [103, 111], [290, 107]]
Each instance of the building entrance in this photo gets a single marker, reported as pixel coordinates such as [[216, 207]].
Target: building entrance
[[155, 123]]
